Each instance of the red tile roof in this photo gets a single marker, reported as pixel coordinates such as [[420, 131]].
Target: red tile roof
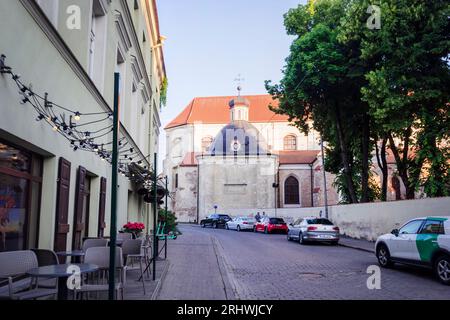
[[190, 160], [216, 110], [297, 157]]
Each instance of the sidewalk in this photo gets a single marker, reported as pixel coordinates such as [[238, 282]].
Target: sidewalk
[[358, 244], [133, 288]]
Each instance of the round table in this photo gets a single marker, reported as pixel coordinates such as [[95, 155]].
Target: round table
[[61, 272], [76, 254]]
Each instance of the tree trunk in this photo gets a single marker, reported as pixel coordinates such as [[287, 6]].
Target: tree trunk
[[382, 163], [402, 166], [365, 159], [344, 157]]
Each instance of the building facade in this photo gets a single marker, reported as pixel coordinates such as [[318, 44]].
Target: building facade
[[51, 194], [228, 153]]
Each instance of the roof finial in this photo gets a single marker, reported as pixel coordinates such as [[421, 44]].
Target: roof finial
[[239, 80]]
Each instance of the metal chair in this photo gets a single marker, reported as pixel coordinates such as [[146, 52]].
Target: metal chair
[[46, 258], [13, 268], [91, 243], [124, 236], [100, 257], [132, 250]]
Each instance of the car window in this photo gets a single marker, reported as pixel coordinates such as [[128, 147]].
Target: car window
[[433, 227], [297, 222], [411, 227], [276, 220], [320, 221], [223, 216]]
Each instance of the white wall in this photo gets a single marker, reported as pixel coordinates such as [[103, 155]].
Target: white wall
[[365, 220]]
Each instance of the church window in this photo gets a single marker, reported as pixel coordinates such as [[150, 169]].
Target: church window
[[206, 143], [290, 142], [291, 191]]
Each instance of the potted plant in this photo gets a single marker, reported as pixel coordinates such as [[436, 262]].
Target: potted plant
[[134, 228]]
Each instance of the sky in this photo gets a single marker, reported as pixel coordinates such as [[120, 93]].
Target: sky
[[210, 42]]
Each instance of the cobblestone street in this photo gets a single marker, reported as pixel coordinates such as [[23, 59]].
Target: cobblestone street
[[220, 264]]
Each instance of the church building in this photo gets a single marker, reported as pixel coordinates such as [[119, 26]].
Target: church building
[[234, 155]]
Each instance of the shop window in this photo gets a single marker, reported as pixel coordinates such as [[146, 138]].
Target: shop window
[[20, 189]]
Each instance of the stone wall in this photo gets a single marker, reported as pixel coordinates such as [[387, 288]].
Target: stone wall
[[365, 220]]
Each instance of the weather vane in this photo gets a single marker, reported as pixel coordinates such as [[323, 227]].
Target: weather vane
[[239, 80]]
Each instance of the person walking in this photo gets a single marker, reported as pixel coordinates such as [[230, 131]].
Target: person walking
[[258, 217]]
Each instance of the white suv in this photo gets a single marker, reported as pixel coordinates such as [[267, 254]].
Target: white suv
[[421, 241]]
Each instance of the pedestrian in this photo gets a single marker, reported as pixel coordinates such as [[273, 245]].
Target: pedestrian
[[258, 217]]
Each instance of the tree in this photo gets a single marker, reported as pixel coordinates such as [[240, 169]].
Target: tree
[[321, 85], [408, 86]]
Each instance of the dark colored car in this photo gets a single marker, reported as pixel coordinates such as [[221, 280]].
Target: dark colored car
[[215, 220]]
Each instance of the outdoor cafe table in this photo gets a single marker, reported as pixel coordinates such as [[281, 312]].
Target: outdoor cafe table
[[76, 254], [60, 271]]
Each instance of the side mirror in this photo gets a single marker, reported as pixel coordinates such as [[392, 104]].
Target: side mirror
[[291, 224], [395, 232]]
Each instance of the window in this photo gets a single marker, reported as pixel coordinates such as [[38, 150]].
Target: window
[[433, 227], [176, 180], [206, 143], [291, 191], [411, 227], [20, 190], [290, 142], [325, 222]]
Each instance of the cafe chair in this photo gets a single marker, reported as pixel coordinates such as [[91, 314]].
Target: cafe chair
[[100, 257], [132, 250], [91, 243], [46, 258], [16, 285], [124, 236]]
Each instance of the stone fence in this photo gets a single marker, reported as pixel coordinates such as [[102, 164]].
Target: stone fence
[[365, 220]]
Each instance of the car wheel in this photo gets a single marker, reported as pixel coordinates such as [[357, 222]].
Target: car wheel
[[383, 256], [226, 227], [203, 225], [254, 229], [288, 237], [442, 269], [300, 239], [238, 228], [266, 231], [214, 225]]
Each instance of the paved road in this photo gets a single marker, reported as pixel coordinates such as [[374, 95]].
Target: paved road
[[220, 264]]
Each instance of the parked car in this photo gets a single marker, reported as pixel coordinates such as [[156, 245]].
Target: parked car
[[215, 220], [309, 229], [422, 242], [271, 225], [240, 223]]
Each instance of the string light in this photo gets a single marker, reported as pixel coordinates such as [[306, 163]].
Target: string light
[[86, 140]]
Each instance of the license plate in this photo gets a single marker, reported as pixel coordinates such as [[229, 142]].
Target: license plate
[[325, 236]]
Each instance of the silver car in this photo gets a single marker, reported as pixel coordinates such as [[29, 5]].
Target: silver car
[[240, 223], [313, 229]]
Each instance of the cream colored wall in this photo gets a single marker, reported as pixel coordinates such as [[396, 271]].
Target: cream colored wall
[[41, 64], [365, 220], [216, 173]]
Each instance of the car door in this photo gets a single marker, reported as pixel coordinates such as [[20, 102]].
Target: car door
[[233, 223], [427, 239], [404, 245], [294, 230]]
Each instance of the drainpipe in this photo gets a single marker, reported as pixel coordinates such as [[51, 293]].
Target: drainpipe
[[324, 178], [312, 183], [198, 191]]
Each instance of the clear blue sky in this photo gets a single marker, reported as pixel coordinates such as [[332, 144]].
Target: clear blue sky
[[210, 42]]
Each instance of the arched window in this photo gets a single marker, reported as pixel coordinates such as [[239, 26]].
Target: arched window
[[290, 142], [206, 143], [291, 191]]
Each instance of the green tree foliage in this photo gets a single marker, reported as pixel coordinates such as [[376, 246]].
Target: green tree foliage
[[366, 89]]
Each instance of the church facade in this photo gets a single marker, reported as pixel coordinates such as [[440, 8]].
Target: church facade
[[230, 153]]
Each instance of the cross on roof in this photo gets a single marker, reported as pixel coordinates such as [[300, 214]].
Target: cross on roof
[[239, 80]]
